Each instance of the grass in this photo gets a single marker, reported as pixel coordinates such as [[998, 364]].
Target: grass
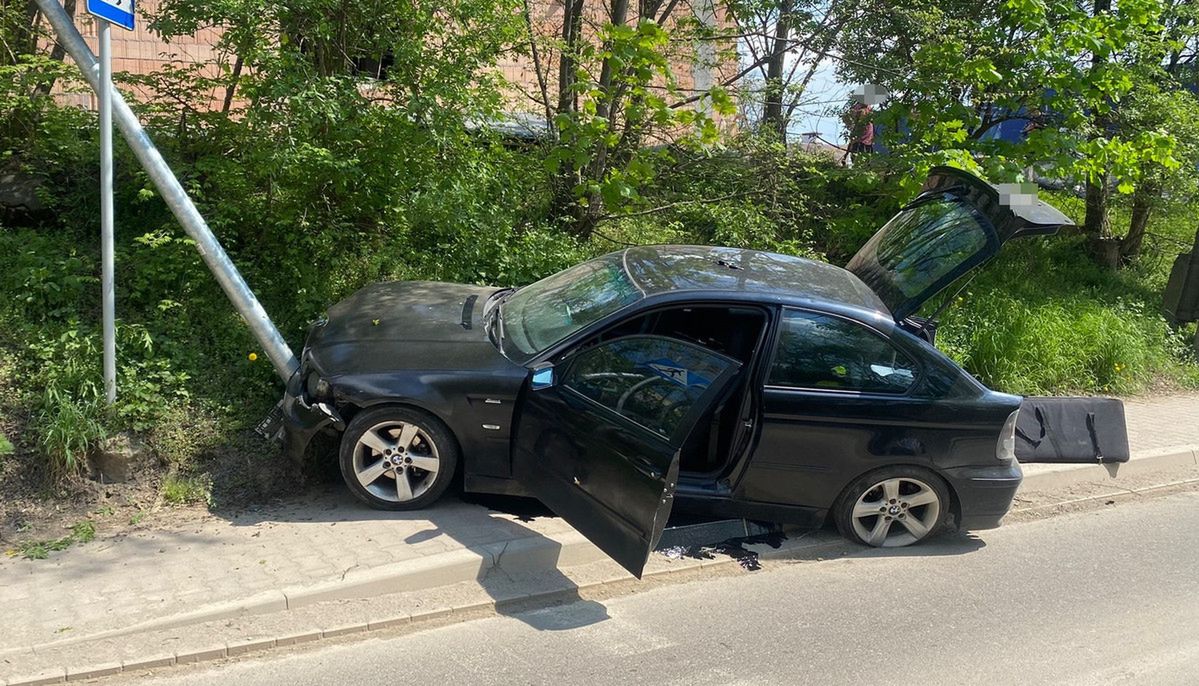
[[1045, 319], [67, 429], [81, 532], [187, 490]]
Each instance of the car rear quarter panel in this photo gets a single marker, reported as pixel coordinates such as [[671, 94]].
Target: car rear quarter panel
[[813, 443]]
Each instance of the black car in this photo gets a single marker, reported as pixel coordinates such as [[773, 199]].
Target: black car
[[723, 381]]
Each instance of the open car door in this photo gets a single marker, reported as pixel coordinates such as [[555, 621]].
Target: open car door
[[599, 434], [957, 223]]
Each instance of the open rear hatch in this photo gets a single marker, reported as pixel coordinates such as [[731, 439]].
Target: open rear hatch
[[957, 223]]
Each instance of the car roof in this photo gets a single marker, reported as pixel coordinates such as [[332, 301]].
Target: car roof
[[662, 269]]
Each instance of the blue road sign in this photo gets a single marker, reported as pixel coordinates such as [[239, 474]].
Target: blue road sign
[[119, 12]]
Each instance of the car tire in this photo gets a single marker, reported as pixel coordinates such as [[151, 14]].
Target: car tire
[[386, 444], [893, 507]]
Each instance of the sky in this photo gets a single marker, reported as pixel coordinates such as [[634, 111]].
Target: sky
[[828, 95]]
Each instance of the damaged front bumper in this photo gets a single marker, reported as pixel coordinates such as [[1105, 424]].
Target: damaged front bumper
[[302, 421]]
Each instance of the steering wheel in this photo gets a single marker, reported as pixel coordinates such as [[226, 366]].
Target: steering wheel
[[637, 387]]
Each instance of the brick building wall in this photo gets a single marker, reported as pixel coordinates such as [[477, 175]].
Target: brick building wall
[[142, 52]]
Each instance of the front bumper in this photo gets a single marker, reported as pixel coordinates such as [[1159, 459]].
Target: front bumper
[[984, 493], [301, 421]]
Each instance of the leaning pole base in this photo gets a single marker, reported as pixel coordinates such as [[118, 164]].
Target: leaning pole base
[[276, 348]]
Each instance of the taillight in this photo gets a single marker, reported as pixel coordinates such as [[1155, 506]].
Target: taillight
[[1005, 450]]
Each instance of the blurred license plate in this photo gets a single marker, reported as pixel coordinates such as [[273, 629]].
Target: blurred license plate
[[272, 424]]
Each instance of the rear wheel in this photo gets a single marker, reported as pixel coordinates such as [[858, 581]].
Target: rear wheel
[[893, 507], [397, 458]]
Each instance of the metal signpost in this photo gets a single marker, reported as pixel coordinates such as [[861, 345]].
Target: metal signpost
[[119, 12], [230, 280]]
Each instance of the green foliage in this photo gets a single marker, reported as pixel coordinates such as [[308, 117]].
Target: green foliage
[[187, 490], [1044, 319], [67, 369], [626, 91], [6, 446], [46, 277], [957, 69], [66, 430]]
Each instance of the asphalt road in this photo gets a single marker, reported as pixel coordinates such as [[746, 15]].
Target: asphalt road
[[1102, 597]]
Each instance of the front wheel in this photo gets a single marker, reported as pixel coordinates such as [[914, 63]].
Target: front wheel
[[397, 458], [892, 507]]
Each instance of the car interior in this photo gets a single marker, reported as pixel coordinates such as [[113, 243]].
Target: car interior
[[736, 332]]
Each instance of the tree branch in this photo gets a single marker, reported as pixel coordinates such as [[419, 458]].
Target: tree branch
[[667, 206]]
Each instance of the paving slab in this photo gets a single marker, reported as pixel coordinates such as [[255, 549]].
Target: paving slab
[[250, 562]]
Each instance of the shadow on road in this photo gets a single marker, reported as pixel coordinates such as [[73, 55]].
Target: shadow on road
[[515, 556]]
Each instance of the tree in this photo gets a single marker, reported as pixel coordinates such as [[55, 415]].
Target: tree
[[619, 107], [1167, 106], [786, 43]]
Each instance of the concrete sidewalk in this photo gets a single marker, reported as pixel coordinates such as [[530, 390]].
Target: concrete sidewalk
[[327, 547], [322, 547]]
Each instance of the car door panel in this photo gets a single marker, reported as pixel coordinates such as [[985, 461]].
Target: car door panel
[[1071, 430], [612, 475], [813, 443]]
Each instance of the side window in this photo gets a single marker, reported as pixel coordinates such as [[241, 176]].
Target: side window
[[822, 351], [653, 381]]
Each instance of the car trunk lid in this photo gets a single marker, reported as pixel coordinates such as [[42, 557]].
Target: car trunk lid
[[956, 224]]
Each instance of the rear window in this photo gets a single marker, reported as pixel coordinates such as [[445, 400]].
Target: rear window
[[923, 244]]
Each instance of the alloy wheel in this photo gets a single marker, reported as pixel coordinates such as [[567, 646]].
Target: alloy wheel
[[896, 512], [396, 461]]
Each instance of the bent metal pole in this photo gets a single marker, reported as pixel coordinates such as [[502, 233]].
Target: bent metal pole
[[281, 356]]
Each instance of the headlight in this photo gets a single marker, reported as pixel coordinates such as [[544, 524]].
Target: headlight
[[317, 389], [1005, 450]]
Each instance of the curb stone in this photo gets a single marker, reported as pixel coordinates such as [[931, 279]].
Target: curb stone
[[202, 655], [49, 676], [147, 663], [233, 649], [1048, 477], [302, 637], [94, 672]]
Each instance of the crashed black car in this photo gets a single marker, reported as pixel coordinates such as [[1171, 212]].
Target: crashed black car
[[724, 381]]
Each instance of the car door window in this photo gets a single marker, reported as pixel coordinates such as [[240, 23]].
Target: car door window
[[653, 381], [826, 352]]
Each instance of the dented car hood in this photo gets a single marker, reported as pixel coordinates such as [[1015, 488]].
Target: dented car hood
[[416, 325]]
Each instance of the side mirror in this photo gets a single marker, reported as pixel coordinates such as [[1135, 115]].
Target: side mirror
[[543, 376]]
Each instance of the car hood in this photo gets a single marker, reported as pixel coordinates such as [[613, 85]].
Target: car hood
[[405, 325], [956, 224]]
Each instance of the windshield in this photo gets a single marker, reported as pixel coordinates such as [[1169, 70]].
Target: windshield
[[537, 316], [921, 250]]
